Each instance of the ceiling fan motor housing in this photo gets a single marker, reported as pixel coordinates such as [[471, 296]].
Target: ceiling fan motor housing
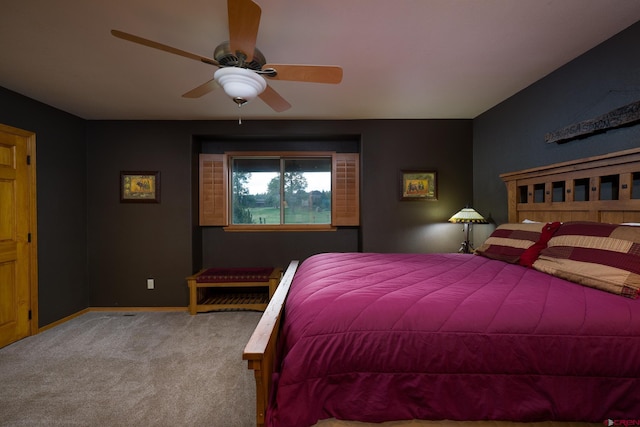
[[227, 58]]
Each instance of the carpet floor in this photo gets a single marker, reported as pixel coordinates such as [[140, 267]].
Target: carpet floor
[[132, 369]]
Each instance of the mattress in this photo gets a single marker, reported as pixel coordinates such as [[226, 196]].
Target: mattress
[[379, 337]]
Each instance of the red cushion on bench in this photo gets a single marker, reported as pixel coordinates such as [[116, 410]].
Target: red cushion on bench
[[257, 274]]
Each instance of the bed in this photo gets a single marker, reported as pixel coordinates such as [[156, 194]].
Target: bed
[[542, 324]]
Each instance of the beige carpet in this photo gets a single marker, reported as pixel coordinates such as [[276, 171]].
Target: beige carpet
[[132, 369]]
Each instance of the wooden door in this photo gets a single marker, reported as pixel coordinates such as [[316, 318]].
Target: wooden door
[[18, 279]]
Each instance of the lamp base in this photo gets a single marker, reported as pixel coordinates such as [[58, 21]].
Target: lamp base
[[465, 248]]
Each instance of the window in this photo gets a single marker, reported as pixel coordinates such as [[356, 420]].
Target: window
[[279, 191]]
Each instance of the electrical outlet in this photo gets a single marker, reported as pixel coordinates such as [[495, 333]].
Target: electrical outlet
[[151, 284]]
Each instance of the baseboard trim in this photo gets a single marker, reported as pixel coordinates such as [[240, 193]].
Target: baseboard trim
[[137, 309], [63, 320], [111, 309]]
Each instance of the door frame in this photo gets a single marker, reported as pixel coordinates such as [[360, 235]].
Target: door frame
[[30, 138]]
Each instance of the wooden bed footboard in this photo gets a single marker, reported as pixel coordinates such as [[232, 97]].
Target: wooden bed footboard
[[260, 351]]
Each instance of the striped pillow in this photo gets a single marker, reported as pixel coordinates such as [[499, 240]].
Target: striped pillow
[[509, 241], [598, 255]]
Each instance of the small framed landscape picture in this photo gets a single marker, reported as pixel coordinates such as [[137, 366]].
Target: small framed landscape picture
[[419, 185], [140, 187]]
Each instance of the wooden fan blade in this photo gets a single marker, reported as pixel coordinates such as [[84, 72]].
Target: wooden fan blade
[[244, 20], [163, 47], [202, 90], [306, 73], [274, 100]]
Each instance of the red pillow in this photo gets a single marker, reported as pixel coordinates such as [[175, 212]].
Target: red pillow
[[530, 255]]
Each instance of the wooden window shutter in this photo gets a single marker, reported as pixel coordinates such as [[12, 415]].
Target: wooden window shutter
[[213, 189], [346, 190]]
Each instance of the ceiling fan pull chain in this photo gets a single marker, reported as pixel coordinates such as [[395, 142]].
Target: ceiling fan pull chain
[[239, 115]]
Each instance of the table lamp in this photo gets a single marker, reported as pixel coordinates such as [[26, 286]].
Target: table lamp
[[467, 216]]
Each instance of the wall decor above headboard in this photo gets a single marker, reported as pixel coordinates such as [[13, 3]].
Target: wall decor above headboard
[[602, 188], [623, 116]]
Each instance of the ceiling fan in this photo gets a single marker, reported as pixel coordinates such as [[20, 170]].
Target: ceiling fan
[[242, 67]]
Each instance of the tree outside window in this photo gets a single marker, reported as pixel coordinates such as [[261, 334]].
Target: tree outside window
[[304, 197]]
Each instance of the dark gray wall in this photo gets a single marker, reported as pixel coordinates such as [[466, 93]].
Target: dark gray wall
[[390, 225], [129, 242], [61, 200], [510, 136]]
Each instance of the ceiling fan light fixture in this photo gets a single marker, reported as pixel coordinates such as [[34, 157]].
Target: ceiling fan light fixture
[[240, 84]]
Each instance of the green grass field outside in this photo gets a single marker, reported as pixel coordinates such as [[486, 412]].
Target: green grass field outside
[[269, 215]]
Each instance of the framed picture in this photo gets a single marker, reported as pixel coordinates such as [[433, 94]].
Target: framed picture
[[419, 185], [140, 187]]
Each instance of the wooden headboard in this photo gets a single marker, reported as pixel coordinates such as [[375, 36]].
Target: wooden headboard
[[603, 188]]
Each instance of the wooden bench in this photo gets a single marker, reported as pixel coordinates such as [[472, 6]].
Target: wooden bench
[[237, 288]]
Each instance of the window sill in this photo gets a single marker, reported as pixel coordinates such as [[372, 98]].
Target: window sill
[[278, 227]]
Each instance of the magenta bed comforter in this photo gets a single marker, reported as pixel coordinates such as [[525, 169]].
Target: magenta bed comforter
[[379, 337]]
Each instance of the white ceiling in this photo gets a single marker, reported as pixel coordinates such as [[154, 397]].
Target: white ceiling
[[401, 58]]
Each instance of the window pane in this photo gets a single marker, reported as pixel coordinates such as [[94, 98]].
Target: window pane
[[307, 191], [255, 191]]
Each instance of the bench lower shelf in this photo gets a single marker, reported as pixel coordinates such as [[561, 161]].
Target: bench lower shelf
[[233, 301]]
